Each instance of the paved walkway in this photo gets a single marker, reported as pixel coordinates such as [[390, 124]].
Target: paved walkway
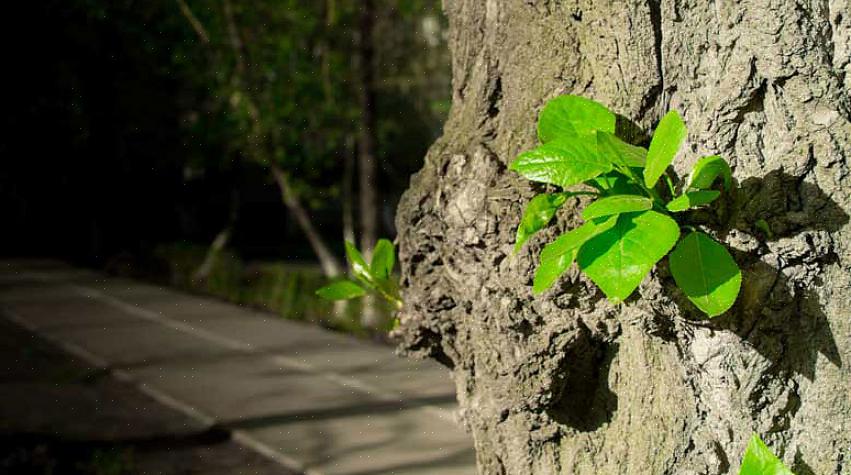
[[313, 400]]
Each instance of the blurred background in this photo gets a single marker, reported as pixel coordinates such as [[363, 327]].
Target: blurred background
[[227, 147]]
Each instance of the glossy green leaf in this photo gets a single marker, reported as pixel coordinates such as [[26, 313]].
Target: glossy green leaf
[[606, 181], [692, 199], [358, 265], [537, 215], [570, 116], [666, 141], [558, 255], [614, 183], [617, 260], [616, 204], [759, 460], [342, 290], [619, 151], [707, 170], [564, 162], [706, 272], [383, 259]]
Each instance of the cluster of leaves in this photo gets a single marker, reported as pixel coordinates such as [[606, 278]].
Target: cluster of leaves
[[375, 277], [759, 460], [630, 227]]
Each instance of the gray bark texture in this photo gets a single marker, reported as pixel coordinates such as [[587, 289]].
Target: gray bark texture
[[567, 383]]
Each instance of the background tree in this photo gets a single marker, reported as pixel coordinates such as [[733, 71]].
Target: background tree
[[568, 383], [295, 55]]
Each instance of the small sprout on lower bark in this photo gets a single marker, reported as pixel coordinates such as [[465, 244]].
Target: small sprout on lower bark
[[375, 277]]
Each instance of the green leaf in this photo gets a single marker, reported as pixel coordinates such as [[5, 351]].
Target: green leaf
[[570, 116], [692, 199], [537, 215], [564, 162], [558, 255], [614, 183], [619, 151], [706, 272], [617, 260], [616, 204], [383, 259], [707, 170], [759, 460], [342, 290], [666, 142], [358, 265]]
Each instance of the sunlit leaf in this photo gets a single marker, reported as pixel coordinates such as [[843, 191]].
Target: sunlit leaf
[[537, 215], [569, 116], [558, 255], [666, 141], [383, 259], [616, 204], [619, 151], [342, 290], [706, 272], [358, 265], [692, 199], [707, 170], [759, 460], [564, 162], [617, 260]]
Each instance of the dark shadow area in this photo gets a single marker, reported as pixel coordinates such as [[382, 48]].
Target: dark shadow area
[[782, 321], [801, 467], [586, 402], [778, 311], [366, 408]]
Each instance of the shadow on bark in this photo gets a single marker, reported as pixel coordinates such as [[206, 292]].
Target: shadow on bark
[[788, 224]]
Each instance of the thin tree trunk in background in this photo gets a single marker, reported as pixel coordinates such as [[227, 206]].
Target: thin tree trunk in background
[[366, 130], [329, 263], [220, 242], [367, 188], [348, 193], [193, 22], [566, 383]]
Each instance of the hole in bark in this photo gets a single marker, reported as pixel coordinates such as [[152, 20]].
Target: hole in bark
[[586, 402], [494, 98]]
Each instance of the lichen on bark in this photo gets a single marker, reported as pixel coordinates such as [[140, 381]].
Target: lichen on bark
[[568, 383]]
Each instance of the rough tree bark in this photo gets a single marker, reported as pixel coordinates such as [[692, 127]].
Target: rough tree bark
[[566, 382]]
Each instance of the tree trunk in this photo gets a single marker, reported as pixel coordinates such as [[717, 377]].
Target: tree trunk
[[366, 131], [222, 239], [329, 263], [347, 193], [367, 186], [566, 382]]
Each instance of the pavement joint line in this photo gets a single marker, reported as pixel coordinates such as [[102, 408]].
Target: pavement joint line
[[236, 345], [237, 435]]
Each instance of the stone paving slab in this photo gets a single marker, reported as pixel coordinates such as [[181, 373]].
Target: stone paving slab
[[312, 399], [60, 415]]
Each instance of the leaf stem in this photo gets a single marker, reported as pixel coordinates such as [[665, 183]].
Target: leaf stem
[[650, 192]]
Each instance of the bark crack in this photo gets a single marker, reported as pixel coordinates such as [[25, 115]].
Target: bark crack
[[656, 91]]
